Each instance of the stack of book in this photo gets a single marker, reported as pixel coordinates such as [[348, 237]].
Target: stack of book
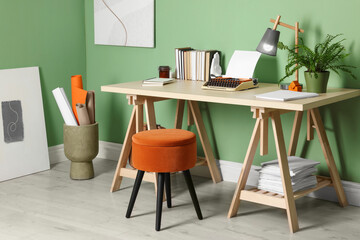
[[193, 64], [301, 173]]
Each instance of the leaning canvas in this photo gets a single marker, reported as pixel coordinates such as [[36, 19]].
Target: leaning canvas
[[124, 22], [23, 143]]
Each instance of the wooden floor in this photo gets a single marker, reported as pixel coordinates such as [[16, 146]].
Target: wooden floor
[[49, 205]]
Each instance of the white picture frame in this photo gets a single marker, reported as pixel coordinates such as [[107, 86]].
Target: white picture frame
[[124, 22], [23, 142]]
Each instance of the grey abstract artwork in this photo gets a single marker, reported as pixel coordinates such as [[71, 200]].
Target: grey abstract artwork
[[12, 121]]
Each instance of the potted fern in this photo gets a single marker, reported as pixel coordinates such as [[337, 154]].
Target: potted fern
[[327, 55]]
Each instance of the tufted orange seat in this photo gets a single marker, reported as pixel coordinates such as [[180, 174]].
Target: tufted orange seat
[[163, 151]]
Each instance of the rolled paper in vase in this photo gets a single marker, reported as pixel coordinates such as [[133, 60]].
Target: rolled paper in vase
[[78, 94], [82, 114], [90, 105]]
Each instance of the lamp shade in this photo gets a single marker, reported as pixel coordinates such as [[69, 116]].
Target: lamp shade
[[268, 43]]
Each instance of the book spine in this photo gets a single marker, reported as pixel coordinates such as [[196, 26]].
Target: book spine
[[197, 64], [181, 64], [193, 65], [177, 67], [187, 65], [207, 66], [203, 66], [184, 62]]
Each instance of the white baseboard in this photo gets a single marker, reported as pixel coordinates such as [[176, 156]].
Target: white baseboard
[[230, 172], [107, 150], [351, 189], [56, 154]]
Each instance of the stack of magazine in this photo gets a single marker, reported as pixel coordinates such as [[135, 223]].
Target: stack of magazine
[[301, 172]]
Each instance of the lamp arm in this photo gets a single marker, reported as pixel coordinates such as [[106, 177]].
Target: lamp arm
[[277, 21], [296, 48], [286, 25]]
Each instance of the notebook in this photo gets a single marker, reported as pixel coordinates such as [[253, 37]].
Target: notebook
[[157, 81], [285, 95]]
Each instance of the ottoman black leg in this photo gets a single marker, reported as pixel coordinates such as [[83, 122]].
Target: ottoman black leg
[[190, 185], [168, 189], [134, 193], [159, 200]]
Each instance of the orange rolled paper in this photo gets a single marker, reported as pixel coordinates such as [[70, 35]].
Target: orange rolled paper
[[78, 93]]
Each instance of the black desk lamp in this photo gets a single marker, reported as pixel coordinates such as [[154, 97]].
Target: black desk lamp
[[269, 42]]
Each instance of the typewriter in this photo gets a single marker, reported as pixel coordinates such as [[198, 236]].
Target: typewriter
[[230, 84]]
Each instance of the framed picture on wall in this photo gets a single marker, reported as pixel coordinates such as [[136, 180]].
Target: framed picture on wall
[[124, 22], [23, 142]]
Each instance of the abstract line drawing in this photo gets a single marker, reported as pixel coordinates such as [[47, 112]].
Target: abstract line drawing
[[12, 121], [117, 19], [127, 23], [12, 125]]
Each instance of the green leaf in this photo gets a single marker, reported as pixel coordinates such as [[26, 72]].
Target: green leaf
[[327, 55]]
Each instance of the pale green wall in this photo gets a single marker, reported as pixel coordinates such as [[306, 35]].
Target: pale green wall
[[49, 34], [229, 25]]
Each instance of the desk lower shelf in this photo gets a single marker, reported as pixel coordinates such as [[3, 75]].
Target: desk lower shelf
[[278, 200]]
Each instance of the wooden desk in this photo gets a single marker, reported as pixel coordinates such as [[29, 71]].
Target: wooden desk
[[263, 111]]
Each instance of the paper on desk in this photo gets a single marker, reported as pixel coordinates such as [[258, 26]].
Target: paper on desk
[[286, 95], [242, 64]]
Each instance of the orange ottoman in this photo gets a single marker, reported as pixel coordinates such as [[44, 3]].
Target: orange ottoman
[[163, 151]]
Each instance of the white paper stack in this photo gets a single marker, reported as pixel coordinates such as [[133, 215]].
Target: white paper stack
[[301, 173]]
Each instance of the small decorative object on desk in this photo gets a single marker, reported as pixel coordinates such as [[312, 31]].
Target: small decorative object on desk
[[157, 82], [285, 86], [325, 56], [164, 72], [215, 69], [301, 174]]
